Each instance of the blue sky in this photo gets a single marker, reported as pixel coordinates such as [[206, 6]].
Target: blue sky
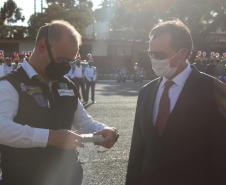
[[27, 6]]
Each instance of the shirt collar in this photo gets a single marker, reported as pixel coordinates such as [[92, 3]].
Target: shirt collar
[[180, 79], [29, 70]]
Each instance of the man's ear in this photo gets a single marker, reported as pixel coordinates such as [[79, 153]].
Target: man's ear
[[185, 53], [41, 46]]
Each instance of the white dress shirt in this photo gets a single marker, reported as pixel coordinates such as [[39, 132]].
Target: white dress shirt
[[5, 69], [1, 70], [75, 72], [174, 91], [24, 136], [90, 73]]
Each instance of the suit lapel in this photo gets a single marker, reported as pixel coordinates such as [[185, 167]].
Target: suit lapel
[[185, 99], [183, 103]]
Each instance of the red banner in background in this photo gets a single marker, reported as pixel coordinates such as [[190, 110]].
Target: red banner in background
[[16, 57], [224, 54], [1, 54]]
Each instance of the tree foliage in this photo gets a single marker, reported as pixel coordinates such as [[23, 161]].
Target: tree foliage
[[15, 32], [106, 12], [10, 13], [62, 3], [78, 13], [202, 16]]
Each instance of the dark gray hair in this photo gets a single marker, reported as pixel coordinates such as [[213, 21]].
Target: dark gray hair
[[180, 33]]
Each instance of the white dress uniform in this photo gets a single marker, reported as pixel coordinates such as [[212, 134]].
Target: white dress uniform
[[76, 75], [90, 78], [5, 69], [90, 73]]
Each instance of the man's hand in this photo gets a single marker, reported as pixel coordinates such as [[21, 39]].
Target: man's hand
[[64, 139], [110, 135]]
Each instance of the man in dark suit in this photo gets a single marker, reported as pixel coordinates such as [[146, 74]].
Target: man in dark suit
[[179, 135]]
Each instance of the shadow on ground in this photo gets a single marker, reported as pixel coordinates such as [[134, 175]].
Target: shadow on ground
[[122, 89]]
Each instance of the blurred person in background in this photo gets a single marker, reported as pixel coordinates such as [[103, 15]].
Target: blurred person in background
[[220, 67], [211, 64], [6, 67], [90, 74], [200, 63], [77, 76]]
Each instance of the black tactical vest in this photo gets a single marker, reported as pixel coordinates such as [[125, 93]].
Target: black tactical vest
[[42, 106]]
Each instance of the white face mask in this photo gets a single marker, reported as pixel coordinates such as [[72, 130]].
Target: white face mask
[[163, 68]]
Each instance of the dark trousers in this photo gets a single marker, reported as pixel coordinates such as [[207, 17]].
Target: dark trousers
[[72, 177], [92, 85], [80, 84]]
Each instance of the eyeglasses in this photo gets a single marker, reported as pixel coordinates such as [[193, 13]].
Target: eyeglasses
[[157, 55]]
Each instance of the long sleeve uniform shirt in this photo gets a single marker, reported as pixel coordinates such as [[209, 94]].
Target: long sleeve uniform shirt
[[5, 69], [23, 136], [75, 72], [90, 73]]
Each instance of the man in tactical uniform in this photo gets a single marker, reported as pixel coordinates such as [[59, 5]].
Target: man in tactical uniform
[[38, 95]]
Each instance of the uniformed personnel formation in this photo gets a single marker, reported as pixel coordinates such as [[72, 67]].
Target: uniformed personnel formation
[[84, 75]]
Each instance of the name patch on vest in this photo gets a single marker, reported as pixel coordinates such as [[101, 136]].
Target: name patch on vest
[[40, 100], [36, 93], [66, 92], [63, 85], [30, 89]]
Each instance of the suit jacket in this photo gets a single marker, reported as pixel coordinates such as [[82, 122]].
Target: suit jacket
[[192, 149]]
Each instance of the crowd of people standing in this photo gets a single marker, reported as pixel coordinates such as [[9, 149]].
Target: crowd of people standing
[[83, 73], [212, 63]]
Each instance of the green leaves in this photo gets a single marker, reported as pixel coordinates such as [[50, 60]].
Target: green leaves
[[78, 13], [16, 32], [200, 15], [10, 13]]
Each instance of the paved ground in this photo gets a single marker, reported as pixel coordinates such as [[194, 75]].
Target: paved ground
[[116, 107]]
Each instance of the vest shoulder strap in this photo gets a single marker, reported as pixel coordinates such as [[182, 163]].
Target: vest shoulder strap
[[71, 83], [15, 78]]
